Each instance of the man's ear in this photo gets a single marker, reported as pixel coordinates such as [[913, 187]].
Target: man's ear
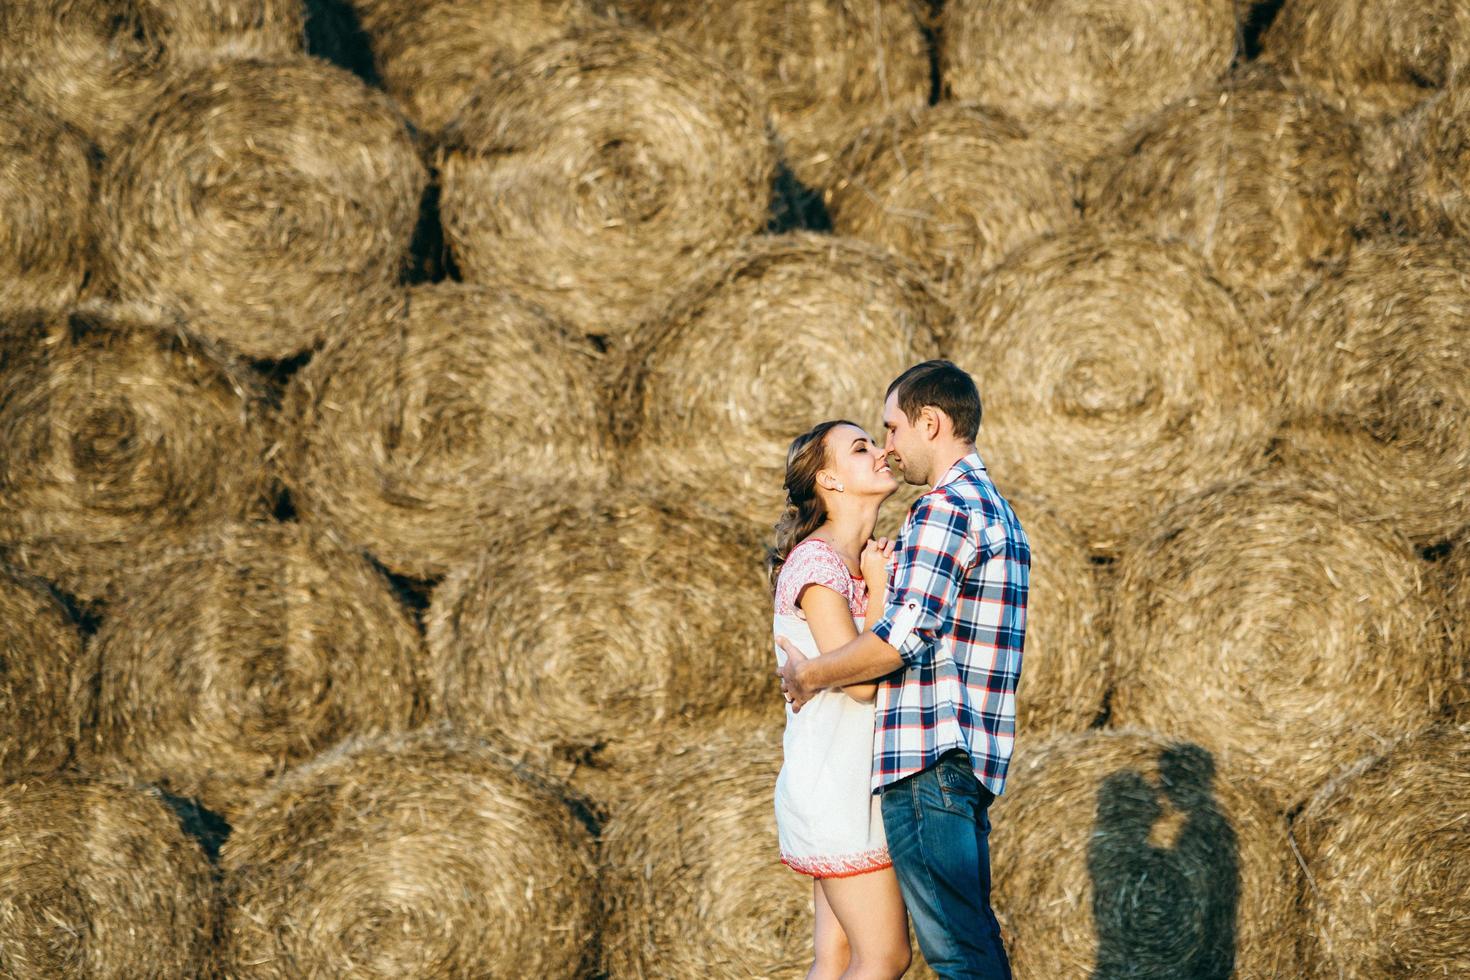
[[932, 420]]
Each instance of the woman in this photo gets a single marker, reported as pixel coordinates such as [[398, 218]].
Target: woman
[[830, 579]]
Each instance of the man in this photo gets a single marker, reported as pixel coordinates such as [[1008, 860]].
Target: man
[[948, 650]]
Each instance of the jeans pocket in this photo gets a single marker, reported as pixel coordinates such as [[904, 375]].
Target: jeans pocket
[[958, 786]]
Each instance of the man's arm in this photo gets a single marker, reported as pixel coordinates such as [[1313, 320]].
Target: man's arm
[[937, 551], [863, 658]]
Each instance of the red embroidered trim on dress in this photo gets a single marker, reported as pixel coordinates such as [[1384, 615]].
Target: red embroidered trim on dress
[[840, 867]]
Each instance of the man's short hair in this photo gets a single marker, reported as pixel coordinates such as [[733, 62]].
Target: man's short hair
[[944, 386]]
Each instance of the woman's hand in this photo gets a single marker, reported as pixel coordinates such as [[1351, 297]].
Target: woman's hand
[[874, 563]]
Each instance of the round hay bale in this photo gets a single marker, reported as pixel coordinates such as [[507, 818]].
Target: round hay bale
[[783, 333], [45, 209], [601, 630], [245, 652], [1263, 616], [1260, 176], [46, 677], [1116, 375], [432, 55], [1065, 678], [1131, 853], [693, 883], [97, 64], [1377, 366], [1427, 191], [953, 188], [1371, 58], [1115, 59], [597, 173], [98, 880], [271, 202], [124, 433], [826, 68], [1389, 888], [411, 433], [419, 856]]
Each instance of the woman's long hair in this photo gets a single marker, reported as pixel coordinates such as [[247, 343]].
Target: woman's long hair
[[804, 511]]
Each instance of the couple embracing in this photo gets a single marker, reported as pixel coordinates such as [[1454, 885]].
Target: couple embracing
[[899, 662]]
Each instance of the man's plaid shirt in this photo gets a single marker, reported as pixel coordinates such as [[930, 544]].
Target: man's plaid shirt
[[956, 613]]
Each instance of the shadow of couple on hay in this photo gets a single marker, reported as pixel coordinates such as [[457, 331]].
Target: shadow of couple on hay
[[1165, 870]]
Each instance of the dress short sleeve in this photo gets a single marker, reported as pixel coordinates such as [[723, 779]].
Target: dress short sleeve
[[815, 562]]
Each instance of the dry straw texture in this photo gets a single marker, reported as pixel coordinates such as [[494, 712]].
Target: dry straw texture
[[122, 434], [1377, 362], [97, 64], [1116, 375], [1134, 854], [598, 172], [1371, 58], [1260, 176], [98, 881], [785, 332], [271, 202], [45, 208], [46, 680], [1100, 62], [413, 431], [1262, 617], [953, 187], [826, 67], [1065, 676], [432, 54], [1426, 189], [1389, 894], [424, 856], [582, 626], [692, 880], [245, 652]]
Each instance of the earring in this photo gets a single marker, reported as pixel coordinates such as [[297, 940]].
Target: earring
[[840, 488]]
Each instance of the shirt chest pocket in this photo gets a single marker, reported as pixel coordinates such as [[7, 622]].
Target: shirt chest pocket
[[989, 541]]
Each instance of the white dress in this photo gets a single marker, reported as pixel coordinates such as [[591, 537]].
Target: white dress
[[828, 821]]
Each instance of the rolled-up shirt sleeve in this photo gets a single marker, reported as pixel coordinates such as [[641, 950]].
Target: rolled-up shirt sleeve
[[937, 550]]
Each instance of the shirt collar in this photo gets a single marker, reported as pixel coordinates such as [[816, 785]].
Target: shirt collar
[[965, 464]]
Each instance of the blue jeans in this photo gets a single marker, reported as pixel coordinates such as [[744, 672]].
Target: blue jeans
[[938, 828]]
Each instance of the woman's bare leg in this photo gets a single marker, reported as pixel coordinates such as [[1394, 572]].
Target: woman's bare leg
[[832, 952], [869, 909]]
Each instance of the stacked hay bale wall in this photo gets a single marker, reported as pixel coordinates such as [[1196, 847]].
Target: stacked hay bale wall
[[124, 433], [45, 209], [1085, 65], [700, 401], [1259, 175], [421, 856], [1269, 621], [431, 55], [97, 880], [1065, 681], [693, 884], [603, 623], [1133, 852], [825, 68], [598, 172], [1385, 849], [47, 691], [1425, 185], [245, 652], [98, 64], [417, 429], [953, 188], [1372, 58], [1117, 375], [270, 202], [1376, 362]]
